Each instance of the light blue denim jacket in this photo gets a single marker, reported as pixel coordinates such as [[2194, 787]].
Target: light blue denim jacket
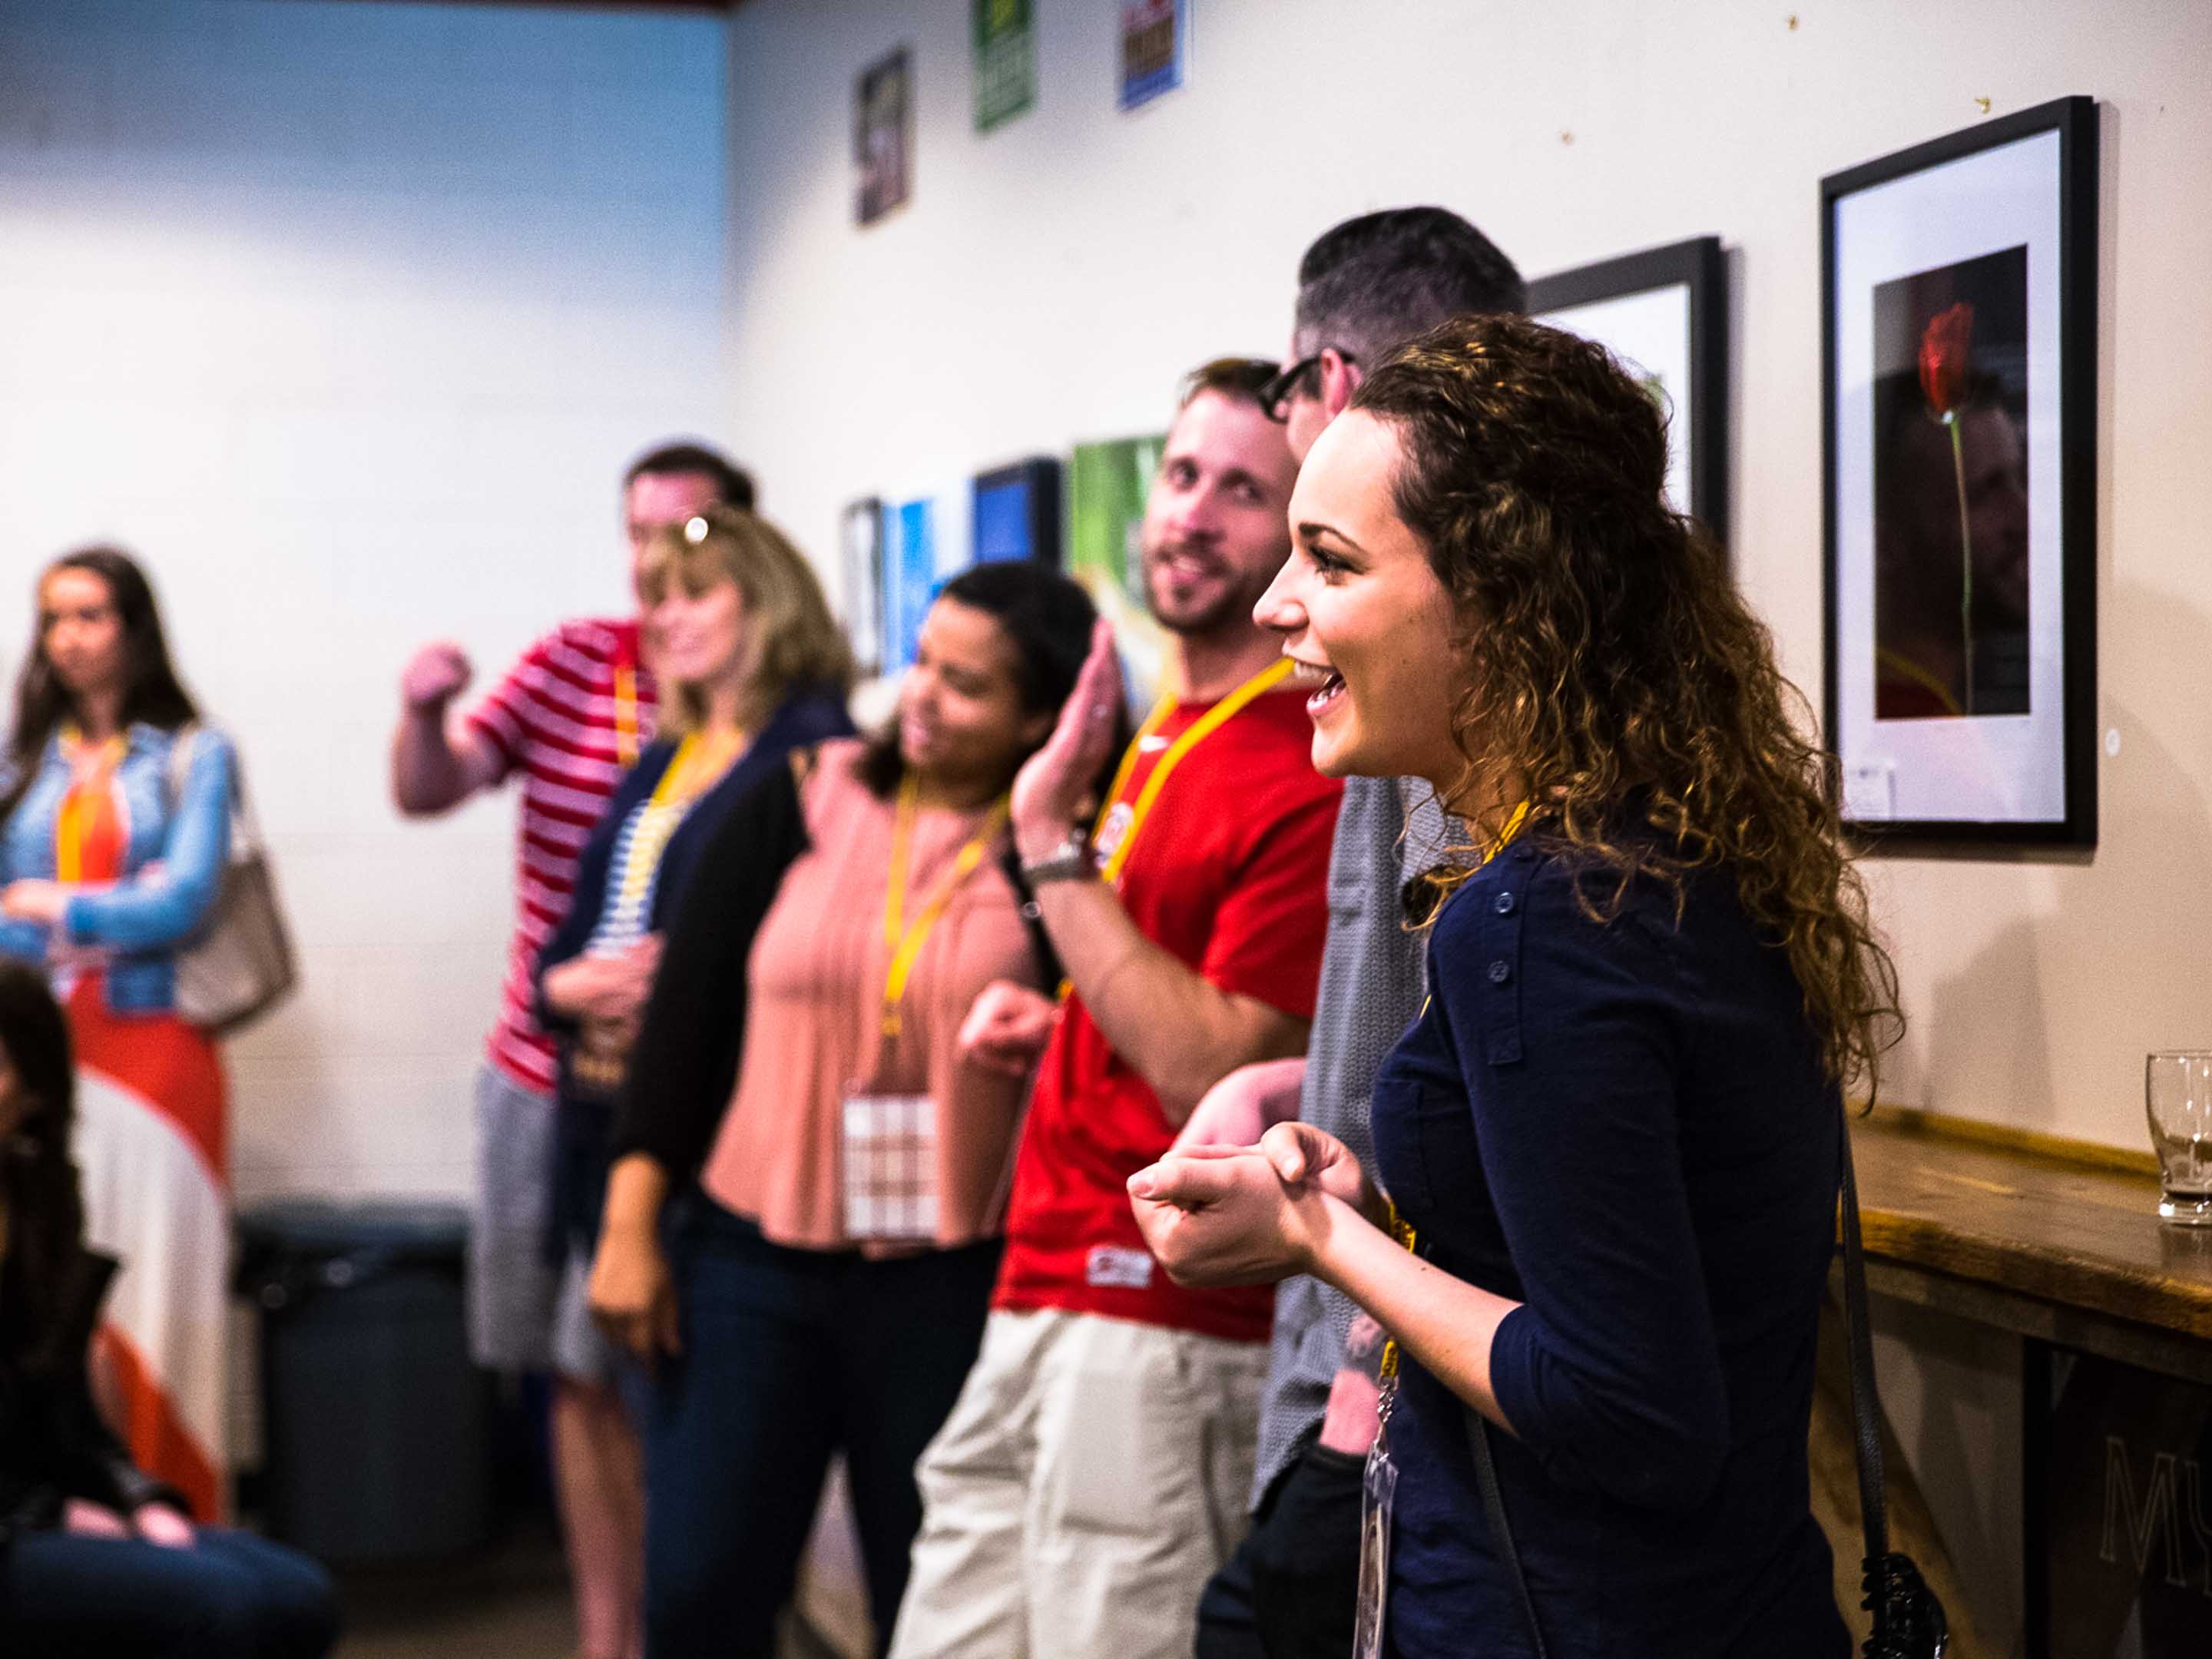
[[185, 834]]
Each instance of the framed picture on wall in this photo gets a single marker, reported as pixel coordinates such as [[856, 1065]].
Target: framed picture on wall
[[1107, 486], [1016, 512], [1959, 313], [1155, 39], [1005, 60], [883, 135], [910, 566], [860, 568], [1664, 314]]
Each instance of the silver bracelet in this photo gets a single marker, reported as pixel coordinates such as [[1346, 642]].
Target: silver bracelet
[[1074, 860]]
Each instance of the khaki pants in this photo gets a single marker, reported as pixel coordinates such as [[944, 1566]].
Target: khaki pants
[[1090, 1481]]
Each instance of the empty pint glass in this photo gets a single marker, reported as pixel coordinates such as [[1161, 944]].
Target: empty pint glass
[[2178, 1093]]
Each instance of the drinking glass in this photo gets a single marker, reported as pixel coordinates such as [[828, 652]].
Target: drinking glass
[[2177, 1094]]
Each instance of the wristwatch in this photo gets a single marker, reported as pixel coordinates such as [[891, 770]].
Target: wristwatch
[[1074, 860]]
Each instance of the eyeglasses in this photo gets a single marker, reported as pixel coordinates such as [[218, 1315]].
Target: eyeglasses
[[1276, 392]]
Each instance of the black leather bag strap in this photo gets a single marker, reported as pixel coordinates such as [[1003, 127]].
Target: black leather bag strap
[[1866, 1410], [1501, 1534]]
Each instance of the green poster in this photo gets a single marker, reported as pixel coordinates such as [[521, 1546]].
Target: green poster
[[1005, 61], [1107, 484]]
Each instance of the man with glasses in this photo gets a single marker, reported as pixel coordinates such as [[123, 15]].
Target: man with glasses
[[1365, 289]]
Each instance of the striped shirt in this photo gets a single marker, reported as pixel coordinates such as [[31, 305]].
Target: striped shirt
[[558, 719], [634, 871]]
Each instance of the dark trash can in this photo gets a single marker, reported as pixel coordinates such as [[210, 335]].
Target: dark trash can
[[376, 1430]]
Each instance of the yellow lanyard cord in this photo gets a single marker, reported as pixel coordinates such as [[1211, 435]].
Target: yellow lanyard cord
[[1202, 728], [1401, 1230], [905, 938], [1513, 823], [625, 714], [664, 790]]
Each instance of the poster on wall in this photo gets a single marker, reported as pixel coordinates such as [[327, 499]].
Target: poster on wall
[[1015, 513], [1107, 484], [2118, 1509], [1005, 61], [860, 570], [910, 579], [1155, 40], [1664, 314], [1959, 442], [883, 135]]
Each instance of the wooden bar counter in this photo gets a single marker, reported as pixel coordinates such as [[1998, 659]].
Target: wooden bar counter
[[2056, 1240]]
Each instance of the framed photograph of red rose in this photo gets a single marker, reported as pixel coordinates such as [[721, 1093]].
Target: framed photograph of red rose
[[1959, 362]]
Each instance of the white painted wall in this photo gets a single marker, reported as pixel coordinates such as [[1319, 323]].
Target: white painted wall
[[1049, 281], [347, 317]]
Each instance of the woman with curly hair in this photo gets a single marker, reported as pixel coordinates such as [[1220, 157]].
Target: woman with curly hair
[[1612, 1138]]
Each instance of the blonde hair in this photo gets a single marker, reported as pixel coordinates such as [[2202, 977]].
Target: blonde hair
[[796, 640]]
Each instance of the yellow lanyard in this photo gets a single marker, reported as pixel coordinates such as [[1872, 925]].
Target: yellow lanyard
[[904, 937], [1401, 1230], [664, 790], [626, 715], [1120, 824]]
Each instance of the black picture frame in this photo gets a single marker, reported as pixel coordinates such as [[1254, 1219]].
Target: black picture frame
[[1698, 268], [2023, 773], [1035, 485], [860, 568]]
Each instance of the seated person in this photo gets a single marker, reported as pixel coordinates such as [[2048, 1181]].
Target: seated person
[[96, 1557]]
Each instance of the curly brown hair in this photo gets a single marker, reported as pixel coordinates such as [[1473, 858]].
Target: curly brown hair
[[1615, 671]]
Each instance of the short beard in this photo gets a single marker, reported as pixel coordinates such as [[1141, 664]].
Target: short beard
[[1231, 611], [1199, 624]]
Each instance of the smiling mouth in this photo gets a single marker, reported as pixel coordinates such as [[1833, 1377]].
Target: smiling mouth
[[1183, 565], [1324, 686]]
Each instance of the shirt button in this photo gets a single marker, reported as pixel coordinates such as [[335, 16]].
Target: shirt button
[[1500, 972], [1506, 904]]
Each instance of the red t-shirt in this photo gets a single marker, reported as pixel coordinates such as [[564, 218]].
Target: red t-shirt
[[560, 718], [1230, 873]]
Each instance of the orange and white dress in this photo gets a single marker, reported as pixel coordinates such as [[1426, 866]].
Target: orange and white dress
[[140, 835]]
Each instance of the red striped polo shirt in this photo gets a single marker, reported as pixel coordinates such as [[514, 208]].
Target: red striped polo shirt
[[559, 719]]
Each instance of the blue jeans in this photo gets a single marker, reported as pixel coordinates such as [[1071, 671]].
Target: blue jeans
[[231, 1596], [789, 1356]]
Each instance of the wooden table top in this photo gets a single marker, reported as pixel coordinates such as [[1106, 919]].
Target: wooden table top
[[2063, 1221]]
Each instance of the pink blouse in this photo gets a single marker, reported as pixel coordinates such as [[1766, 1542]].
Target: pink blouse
[[814, 1032]]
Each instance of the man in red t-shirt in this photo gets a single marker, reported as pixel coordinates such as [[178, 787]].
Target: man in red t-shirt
[[569, 717], [1094, 1473]]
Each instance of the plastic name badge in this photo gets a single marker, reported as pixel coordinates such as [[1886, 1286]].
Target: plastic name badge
[[890, 1167]]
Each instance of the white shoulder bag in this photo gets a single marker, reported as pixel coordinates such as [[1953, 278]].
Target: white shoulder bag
[[239, 965]]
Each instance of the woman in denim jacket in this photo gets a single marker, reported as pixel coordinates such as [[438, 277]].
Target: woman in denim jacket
[[115, 813]]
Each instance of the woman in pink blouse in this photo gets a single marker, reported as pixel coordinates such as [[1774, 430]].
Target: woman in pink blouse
[[823, 1286]]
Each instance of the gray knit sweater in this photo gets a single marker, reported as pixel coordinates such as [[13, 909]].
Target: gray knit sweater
[[1372, 982]]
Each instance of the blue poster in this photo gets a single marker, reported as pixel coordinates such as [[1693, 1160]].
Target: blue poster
[[1155, 36], [1015, 513], [1001, 519], [909, 579]]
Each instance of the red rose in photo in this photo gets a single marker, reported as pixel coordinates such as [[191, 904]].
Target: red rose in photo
[[1947, 350]]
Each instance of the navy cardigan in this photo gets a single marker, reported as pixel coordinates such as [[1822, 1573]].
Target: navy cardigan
[[805, 717], [1626, 1127], [802, 720]]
